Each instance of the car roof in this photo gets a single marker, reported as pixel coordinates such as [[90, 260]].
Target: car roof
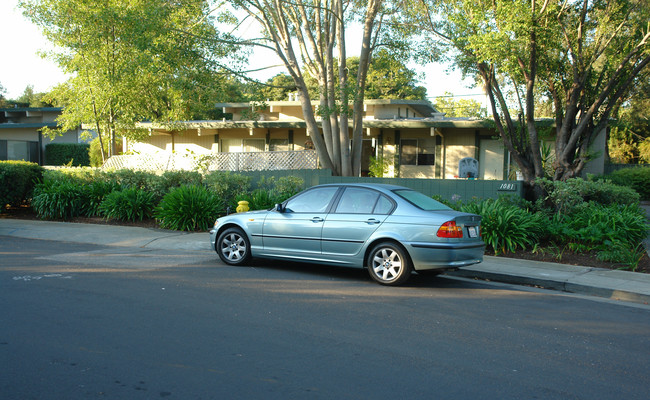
[[384, 186]]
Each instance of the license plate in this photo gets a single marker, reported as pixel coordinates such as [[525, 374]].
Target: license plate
[[472, 231]]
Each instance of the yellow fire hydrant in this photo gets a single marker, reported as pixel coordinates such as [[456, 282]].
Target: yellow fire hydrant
[[243, 206]]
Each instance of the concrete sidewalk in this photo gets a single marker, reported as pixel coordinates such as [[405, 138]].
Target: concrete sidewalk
[[617, 285]]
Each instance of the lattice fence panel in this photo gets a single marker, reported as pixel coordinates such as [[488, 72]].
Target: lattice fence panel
[[252, 161]]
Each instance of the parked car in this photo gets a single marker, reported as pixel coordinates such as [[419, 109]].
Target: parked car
[[390, 230]]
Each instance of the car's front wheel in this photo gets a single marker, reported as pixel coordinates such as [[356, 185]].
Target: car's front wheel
[[233, 247], [389, 264]]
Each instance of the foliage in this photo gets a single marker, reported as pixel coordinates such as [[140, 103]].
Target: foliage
[[189, 208], [57, 199], [467, 108], [163, 184], [228, 186], [389, 78], [31, 99], [584, 56], [506, 227], [17, 181], [131, 60], [623, 148], [130, 204], [379, 166], [95, 152], [271, 191], [565, 196], [629, 256], [93, 194], [74, 154], [637, 178], [3, 101], [592, 225]]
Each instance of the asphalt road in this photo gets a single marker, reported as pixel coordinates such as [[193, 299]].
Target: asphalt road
[[83, 322]]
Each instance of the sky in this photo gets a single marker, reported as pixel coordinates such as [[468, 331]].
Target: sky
[[21, 65]]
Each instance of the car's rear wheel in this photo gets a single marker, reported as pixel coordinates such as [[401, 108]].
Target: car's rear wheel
[[388, 264], [233, 247]]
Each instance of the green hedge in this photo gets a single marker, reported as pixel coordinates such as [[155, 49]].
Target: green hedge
[[75, 154], [17, 180], [637, 178]]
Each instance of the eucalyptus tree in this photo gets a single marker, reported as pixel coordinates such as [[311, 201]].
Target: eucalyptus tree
[[309, 36], [130, 60], [583, 55]]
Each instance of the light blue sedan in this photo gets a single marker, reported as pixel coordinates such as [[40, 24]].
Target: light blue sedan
[[390, 230]]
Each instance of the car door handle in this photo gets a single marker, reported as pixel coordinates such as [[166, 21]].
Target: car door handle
[[372, 221], [317, 219]]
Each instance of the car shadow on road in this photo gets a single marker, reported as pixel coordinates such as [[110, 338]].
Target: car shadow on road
[[308, 271]]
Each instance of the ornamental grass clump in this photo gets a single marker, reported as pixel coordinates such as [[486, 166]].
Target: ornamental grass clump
[[130, 204], [58, 199], [505, 227], [93, 194], [189, 208]]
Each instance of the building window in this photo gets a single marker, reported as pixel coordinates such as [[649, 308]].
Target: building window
[[239, 145], [18, 150], [252, 145], [279, 145], [417, 152]]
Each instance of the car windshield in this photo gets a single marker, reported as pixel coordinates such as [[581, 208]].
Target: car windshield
[[421, 200]]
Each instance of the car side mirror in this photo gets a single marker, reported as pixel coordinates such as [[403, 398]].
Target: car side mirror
[[279, 208]]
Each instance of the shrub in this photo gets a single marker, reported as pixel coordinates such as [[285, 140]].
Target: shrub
[[130, 204], [57, 199], [228, 187], [189, 208], [565, 196], [93, 194], [67, 153], [637, 178], [128, 178], [288, 186], [506, 227], [161, 185], [17, 181], [260, 199]]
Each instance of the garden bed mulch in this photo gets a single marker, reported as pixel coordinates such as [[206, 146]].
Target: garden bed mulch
[[566, 257]]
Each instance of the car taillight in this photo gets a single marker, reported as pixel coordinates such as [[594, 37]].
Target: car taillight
[[450, 230]]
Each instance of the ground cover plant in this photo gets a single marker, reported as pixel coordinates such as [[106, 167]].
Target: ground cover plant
[[577, 217]]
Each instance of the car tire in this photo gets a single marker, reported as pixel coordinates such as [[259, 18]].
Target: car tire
[[389, 264], [233, 247]]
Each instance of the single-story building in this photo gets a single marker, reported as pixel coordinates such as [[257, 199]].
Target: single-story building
[[410, 136], [20, 133]]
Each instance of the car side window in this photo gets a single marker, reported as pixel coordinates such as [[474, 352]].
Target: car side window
[[357, 201], [384, 206], [315, 200]]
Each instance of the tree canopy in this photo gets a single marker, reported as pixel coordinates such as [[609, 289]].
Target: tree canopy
[[455, 107], [132, 60], [388, 78], [582, 55]]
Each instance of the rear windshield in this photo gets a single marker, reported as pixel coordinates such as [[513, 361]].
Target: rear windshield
[[421, 200]]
